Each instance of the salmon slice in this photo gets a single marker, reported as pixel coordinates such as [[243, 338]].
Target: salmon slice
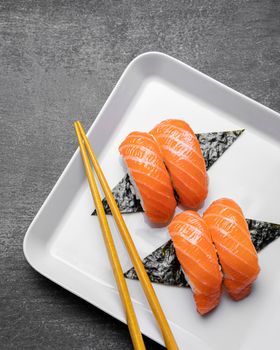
[[183, 157], [237, 254], [143, 159], [197, 256]]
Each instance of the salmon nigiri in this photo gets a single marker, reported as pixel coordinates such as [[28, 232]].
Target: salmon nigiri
[[237, 254], [197, 256], [183, 157], [148, 172]]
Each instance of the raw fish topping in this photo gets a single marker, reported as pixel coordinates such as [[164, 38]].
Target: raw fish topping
[[163, 266]]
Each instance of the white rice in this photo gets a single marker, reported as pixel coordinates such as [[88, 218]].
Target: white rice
[[135, 188]]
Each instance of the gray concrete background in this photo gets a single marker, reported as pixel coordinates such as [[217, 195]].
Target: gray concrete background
[[59, 60]]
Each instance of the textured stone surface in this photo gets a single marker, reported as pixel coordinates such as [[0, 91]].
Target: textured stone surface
[[59, 60]]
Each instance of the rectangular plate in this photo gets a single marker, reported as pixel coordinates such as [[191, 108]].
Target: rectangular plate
[[64, 242]]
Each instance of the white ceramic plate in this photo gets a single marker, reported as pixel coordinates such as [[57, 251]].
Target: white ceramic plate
[[64, 242]]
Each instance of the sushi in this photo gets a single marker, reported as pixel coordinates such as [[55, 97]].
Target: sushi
[[237, 254], [149, 175], [197, 256], [212, 144], [184, 160], [163, 266]]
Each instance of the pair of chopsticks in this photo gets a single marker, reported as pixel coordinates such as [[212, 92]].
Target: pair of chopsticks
[[132, 322]]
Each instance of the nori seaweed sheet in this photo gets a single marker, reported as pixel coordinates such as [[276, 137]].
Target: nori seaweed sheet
[[213, 145], [262, 233], [163, 266], [125, 197]]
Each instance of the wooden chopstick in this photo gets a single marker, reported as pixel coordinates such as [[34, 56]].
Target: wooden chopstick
[[134, 256], [132, 322]]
